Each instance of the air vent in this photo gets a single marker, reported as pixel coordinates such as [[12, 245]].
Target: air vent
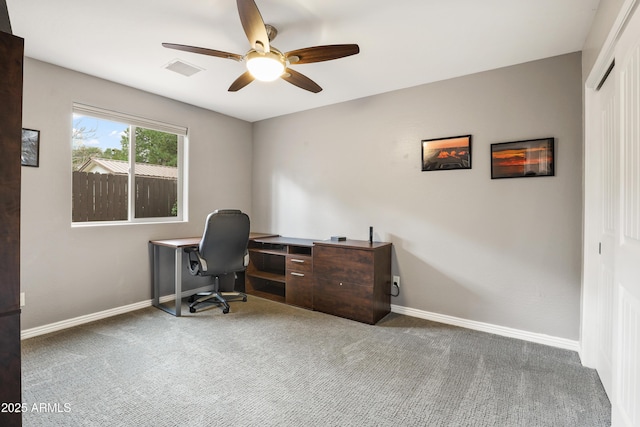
[[183, 68]]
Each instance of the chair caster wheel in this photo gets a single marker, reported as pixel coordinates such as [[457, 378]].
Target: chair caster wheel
[[192, 309], [244, 299], [225, 310]]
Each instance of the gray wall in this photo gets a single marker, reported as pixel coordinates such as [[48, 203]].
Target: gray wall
[[505, 252], [69, 272]]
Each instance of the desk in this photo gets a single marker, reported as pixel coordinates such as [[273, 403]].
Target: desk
[[350, 279], [178, 246]]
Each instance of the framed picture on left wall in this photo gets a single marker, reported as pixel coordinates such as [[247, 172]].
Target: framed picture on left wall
[[30, 147], [446, 153]]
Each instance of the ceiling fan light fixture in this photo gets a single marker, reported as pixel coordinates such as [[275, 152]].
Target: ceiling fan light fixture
[[265, 66], [264, 62]]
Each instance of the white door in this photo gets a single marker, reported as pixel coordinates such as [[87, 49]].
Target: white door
[[606, 150], [626, 357]]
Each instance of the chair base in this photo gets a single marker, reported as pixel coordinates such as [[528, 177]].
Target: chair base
[[220, 298]]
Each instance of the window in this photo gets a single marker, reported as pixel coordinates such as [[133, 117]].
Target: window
[[125, 168]]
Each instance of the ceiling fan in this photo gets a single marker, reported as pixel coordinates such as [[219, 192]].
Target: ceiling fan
[[265, 62]]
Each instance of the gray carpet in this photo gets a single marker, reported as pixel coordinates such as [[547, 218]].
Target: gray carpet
[[268, 364]]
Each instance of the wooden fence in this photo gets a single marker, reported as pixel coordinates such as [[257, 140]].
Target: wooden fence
[[104, 197]]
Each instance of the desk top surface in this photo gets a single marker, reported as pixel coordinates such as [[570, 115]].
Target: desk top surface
[[294, 241], [279, 240], [354, 244], [184, 242]]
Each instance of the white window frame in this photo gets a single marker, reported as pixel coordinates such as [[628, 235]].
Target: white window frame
[[133, 122]]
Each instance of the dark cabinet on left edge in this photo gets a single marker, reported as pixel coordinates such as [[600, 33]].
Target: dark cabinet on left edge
[[11, 59]]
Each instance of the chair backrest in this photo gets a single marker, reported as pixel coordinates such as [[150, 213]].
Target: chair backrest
[[224, 242]]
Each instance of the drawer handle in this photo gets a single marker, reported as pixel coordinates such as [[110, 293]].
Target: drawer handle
[[301, 261], [293, 273]]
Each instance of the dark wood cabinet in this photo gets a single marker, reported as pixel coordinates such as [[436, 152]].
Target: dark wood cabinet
[[344, 299], [11, 59], [280, 269], [352, 279]]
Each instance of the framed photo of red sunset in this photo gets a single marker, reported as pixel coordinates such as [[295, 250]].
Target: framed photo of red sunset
[[446, 153], [523, 159]]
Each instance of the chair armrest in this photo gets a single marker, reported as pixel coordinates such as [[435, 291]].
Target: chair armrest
[[196, 263]]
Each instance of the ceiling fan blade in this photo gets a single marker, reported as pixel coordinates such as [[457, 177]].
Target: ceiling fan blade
[[300, 80], [322, 53], [241, 82], [203, 51], [253, 25]]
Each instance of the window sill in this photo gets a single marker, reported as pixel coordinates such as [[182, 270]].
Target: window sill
[[154, 221]]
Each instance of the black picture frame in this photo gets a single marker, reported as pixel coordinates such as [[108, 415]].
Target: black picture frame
[[523, 159], [450, 153], [30, 148]]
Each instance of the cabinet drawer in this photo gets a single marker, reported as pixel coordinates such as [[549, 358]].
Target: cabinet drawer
[[299, 289], [344, 299], [344, 264], [300, 263]]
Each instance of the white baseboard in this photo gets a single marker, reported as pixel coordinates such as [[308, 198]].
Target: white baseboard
[[435, 317], [81, 320], [487, 327]]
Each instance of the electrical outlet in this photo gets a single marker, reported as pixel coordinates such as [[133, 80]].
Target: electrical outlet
[[21, 299], [396, 281]]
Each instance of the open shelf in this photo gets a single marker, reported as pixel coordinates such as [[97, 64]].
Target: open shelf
[[266, 289], [300, 250], [277, 252], [267, 275]]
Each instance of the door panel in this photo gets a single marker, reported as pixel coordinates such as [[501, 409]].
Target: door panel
[[608, 191], [627, 252]]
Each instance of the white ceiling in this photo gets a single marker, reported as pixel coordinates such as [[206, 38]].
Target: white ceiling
[[403, 43]]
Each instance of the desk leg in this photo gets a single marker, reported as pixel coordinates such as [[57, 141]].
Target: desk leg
[[155, 279], [178, 281]]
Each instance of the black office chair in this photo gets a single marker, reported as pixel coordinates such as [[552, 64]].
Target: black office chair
[[221, 251]]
